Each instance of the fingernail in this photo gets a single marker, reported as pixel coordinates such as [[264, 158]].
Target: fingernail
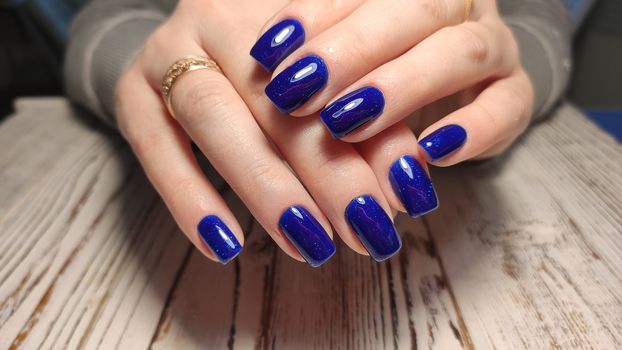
[[373, 227], [413, 186], [219, 238], [353, 110], [443, 141], [307, 235], [277, 43], [297, 83]]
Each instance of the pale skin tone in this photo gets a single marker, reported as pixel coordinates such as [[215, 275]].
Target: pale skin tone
[[473, 67]]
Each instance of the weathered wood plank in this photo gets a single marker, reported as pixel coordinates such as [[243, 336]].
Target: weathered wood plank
[[532, 243], [83, 239], [525, 252]]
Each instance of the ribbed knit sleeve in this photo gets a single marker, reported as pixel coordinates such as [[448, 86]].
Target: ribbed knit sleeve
[[544, 35], [104, 39]]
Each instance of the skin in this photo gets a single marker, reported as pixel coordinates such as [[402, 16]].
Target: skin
[[247, 140]]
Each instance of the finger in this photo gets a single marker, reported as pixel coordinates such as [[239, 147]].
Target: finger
[[499, 114], [218, 121], [166, 156], [401, 169], [298, 21], [345, 52], [450, 60], [496, 149], [340, 181]]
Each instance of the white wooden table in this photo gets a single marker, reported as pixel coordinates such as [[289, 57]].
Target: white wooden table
[[524, 253]]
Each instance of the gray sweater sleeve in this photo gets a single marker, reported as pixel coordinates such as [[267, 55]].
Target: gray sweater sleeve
[[104, 38], [543, 33], [108, 33]]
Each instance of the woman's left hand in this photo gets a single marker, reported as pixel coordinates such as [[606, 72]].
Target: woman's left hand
[[366, 65]]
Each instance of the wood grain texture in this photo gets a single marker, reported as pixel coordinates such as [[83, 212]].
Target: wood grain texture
[[525, 253]]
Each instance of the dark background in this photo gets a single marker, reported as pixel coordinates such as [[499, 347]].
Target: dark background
[[33, 34]]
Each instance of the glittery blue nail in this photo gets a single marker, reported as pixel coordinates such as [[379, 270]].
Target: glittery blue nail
[[307, 235], [374, 227], [353, 111], [413, 186], [297, 83], [443, 141], [219, 238]]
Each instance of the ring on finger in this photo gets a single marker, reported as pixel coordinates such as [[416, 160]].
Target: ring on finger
[[179, 68]]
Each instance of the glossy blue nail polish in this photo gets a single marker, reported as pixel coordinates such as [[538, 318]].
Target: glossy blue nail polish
[[443, 141], [353, 110], [219, 238], [307, 235], [277, 43], [373, 227], [297, 83], [413, 186]]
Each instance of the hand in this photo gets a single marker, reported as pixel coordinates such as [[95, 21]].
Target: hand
[[235, 126], [380, 61]]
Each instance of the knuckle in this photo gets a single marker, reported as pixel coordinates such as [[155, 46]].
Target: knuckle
[[332, 165], [297, 7], [262, 172], [488, 117], [120, 91], [198, 94], [356, 49], [180, 189], [523, 104], [125, 87], [519, 96], [476, 44], [438, 10], [312, 13], [183, 187], [345, 48], [494, 125], [142, 141], [505, 39], [157, 42], [336, 6]]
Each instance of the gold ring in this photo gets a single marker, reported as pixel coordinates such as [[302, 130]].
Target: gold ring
[[468, 5], [179, 68]]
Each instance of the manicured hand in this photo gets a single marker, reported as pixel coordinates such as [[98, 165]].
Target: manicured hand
[[366, 65], [294, 177]]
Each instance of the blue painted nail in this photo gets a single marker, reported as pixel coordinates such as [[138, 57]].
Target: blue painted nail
[[307, 235], [413, 186], [373, 227], [216, 235], [277, 43], [297, 83], [353, 110], [443, 141]]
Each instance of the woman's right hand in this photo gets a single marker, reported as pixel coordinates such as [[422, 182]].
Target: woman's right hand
[[235, 126]]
